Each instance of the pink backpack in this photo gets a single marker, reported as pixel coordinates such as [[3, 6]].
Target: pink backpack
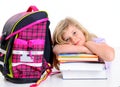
[[26, 47]]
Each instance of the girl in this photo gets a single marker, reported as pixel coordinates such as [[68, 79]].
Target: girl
[[71, 37]]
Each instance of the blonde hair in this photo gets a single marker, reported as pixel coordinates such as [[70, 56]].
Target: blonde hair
[[64, 24], [59, 30]]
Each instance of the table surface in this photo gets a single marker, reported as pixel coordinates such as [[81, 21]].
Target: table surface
[[57, 81]]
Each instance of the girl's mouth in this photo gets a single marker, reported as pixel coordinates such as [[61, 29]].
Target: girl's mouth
[[77, 43]]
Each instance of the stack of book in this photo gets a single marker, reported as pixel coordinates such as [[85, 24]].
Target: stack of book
[[82, 66]]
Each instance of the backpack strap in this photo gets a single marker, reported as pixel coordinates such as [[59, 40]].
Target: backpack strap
[[32, 8], [43, 77], [1, 64], [2, 52], [1, 68]]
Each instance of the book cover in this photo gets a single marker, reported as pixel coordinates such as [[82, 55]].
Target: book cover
[[75, 57]]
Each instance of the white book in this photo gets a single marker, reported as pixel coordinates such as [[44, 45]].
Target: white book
[[83, 75], [82, 66]]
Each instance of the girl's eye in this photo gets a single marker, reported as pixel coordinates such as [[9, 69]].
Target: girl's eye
[[74, 33], [67, 39]]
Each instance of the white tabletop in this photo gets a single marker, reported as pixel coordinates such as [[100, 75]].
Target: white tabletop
[[57, 81]]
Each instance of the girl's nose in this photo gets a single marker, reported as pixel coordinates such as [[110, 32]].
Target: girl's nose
[[73, 40]]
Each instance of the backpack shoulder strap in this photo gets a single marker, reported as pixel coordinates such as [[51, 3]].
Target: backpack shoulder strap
[[1, 64]]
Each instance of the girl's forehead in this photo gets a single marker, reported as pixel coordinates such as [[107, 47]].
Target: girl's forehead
[[71, 28]]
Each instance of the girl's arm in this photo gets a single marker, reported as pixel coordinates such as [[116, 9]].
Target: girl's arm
[[70, 49], [101, 49]]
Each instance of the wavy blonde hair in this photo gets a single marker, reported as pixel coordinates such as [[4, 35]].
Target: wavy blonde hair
[[64, 24], [59, 31]]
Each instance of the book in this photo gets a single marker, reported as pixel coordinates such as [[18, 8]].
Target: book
[[84, 75], [76, 57], [88, 66], [82, 66]]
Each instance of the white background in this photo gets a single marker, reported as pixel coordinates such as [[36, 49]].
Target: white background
[[101, 17]]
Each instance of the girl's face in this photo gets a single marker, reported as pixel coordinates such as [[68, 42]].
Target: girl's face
[[74, 36]]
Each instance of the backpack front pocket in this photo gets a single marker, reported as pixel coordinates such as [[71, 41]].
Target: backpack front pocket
[[27, 58]]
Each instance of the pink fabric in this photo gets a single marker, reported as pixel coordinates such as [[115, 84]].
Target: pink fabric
[[34, 32], [34, 45], [20, 42], [30, 38], [20, 30], [35, 42], [30, 43], [21, 69]]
